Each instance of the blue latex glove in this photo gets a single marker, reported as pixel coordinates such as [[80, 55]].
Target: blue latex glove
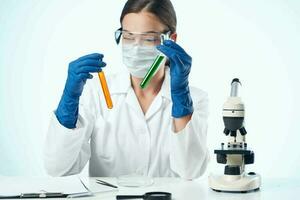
[[78, 72], [180, 67]]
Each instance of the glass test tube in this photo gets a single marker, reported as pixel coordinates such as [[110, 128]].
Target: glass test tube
[[154, 67], [105, 90], [152, 71]]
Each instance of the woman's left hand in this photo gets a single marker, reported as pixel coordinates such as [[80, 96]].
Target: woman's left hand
[[180, 67]]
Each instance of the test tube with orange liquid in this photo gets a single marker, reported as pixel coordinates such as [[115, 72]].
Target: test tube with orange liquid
[[105, 90]]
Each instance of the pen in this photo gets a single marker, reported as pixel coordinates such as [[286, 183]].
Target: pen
[[43, 195], [105, 183]]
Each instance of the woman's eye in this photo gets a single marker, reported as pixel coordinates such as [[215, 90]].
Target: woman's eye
[[150, 39], [128, 38]]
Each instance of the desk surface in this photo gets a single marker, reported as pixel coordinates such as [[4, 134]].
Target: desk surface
[[198, 189], [272, 188]]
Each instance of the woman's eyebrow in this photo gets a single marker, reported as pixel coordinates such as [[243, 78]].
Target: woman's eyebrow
[[152, 32]]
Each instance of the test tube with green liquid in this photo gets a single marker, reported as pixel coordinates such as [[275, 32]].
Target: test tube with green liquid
[[154, 67], [152, 71]]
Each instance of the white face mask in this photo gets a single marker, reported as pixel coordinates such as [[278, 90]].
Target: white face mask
[[138, 59]]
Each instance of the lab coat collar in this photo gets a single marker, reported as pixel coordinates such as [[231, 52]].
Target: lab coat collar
[[121, 84]]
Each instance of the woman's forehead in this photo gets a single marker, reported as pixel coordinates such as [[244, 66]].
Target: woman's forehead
[[142, 22]]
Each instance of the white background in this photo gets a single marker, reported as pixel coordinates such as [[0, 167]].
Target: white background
[[256, 41]]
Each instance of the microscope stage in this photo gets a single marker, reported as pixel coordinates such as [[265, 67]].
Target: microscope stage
[[233, 151]]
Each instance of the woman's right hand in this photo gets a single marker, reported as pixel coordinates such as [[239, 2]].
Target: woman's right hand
[[78, 72]]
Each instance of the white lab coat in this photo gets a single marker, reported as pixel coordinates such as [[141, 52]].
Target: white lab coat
[[125, 141]]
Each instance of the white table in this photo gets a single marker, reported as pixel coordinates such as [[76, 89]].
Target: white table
[[198, 189]]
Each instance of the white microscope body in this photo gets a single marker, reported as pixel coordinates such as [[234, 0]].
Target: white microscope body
[[236, 153]]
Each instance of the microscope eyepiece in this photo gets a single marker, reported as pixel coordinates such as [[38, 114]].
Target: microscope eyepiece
[[236, 80], [234, 87]]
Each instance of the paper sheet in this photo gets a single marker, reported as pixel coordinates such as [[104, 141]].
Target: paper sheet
[[14, 186]]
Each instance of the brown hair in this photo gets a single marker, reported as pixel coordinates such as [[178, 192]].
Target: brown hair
[[163, 9]]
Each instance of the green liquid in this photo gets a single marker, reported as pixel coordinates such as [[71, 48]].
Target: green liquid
[[152, 71]]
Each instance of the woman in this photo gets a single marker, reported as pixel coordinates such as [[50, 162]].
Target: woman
[[156, 131]]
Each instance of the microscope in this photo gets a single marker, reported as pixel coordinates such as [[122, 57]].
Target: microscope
[[235, 154]]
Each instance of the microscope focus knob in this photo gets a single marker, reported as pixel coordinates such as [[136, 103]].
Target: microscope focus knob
[[249, 159], [221, 158]]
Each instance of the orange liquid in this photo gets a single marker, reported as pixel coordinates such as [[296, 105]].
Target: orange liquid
[[105, 90]]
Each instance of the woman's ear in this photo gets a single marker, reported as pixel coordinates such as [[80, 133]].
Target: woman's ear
[[173, 37]]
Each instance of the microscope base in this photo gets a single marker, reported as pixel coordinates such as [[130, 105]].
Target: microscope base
[[235, 183]]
